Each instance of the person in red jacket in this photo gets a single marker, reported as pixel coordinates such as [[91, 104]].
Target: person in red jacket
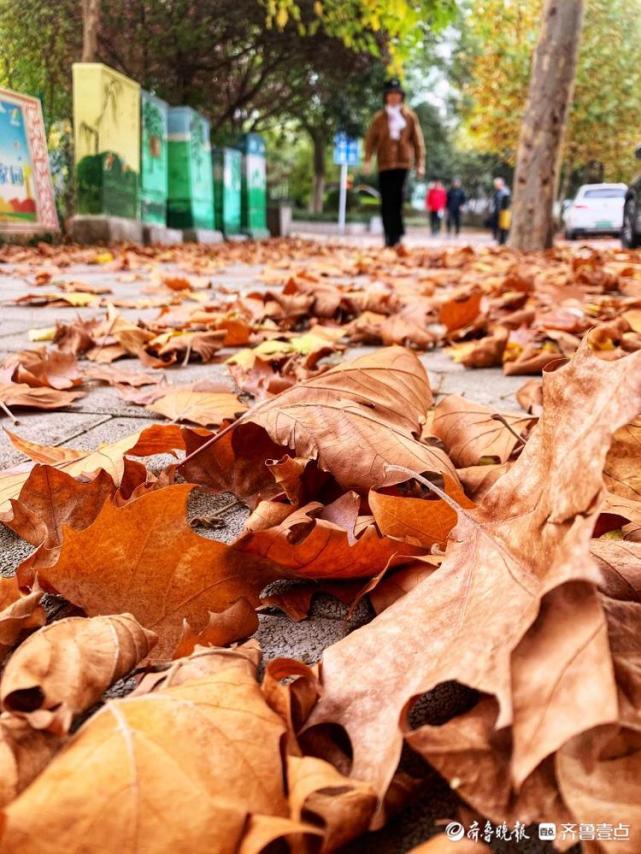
[[436, 202]]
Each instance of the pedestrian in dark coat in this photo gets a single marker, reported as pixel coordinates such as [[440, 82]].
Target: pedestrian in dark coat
[[395, 137], [501, 214], [455, 201]]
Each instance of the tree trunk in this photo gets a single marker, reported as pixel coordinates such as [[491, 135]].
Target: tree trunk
[[90, 25], [318, 188], [540, 145]]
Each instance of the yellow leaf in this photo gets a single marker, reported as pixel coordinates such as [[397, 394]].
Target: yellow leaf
[[46, 333]]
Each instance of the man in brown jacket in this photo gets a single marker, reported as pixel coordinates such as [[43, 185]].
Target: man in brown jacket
[[395, 137]]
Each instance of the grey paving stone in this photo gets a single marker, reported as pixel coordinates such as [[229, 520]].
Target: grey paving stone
[[484, 385], [280, 637], [13, 551]]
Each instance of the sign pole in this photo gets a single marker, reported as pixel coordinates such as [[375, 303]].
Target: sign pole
[[342, 199]]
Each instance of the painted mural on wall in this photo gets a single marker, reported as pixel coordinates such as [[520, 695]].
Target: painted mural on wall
[[26, 192], [154, 159], [190, 202], [106, 109]]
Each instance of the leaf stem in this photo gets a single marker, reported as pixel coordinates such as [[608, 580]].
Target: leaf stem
[[502, 419], [8, 412]]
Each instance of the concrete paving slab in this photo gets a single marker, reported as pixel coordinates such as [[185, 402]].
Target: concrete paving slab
[[484, 385], [13, 551], [280, 637]]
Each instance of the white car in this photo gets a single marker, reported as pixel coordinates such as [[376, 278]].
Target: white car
[[596, 209]]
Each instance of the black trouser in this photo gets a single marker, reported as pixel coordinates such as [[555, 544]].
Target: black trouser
[[499, 234], [391, 183], [454, 220], [435, 222]]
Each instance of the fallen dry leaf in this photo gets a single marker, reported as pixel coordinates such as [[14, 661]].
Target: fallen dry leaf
[[167, 575], [237, 622], [359, 402], [199, 407], [156, 439], [472, 434], [220, 765], [22, 395], [367, 680], [418, 521], [24, 752], [42, 368], [309, 543], [64, 667], [50, 499], [18, 614]]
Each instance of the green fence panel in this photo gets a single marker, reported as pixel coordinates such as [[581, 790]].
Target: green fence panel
[[254, 186], [154, 159], [227, 189], [190, 202]]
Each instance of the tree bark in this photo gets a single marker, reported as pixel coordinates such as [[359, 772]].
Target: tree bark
[[541, 141], [318, 187], [90, 26]]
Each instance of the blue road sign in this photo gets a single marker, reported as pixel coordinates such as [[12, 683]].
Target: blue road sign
[[345, 150]]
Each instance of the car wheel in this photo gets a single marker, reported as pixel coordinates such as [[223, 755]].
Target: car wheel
[[629, 236]]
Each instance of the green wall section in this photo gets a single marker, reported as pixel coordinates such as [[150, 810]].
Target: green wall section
[[228, 164], [154, 159], [190, 202], [254, 186]]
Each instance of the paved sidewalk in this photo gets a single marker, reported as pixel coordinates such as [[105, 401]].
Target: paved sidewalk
[[101, 416]]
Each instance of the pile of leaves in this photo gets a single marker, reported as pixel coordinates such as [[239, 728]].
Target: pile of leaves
[[489, 307], [499, 551]]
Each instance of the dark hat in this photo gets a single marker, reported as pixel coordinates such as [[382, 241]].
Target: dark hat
[[393, 85]]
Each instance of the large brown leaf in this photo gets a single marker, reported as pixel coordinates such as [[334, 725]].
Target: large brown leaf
[[24, 752], [64, 668], [199, 407], [357, 418], [180, 769], [310, 543], [530, 534], [469, 432], [145, 559], [623, 465]]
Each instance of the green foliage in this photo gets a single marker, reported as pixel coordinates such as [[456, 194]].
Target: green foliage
[[493, 64], [38, 43], [402, 23]]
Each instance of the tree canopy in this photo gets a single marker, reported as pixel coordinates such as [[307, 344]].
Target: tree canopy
[[495, 58]]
